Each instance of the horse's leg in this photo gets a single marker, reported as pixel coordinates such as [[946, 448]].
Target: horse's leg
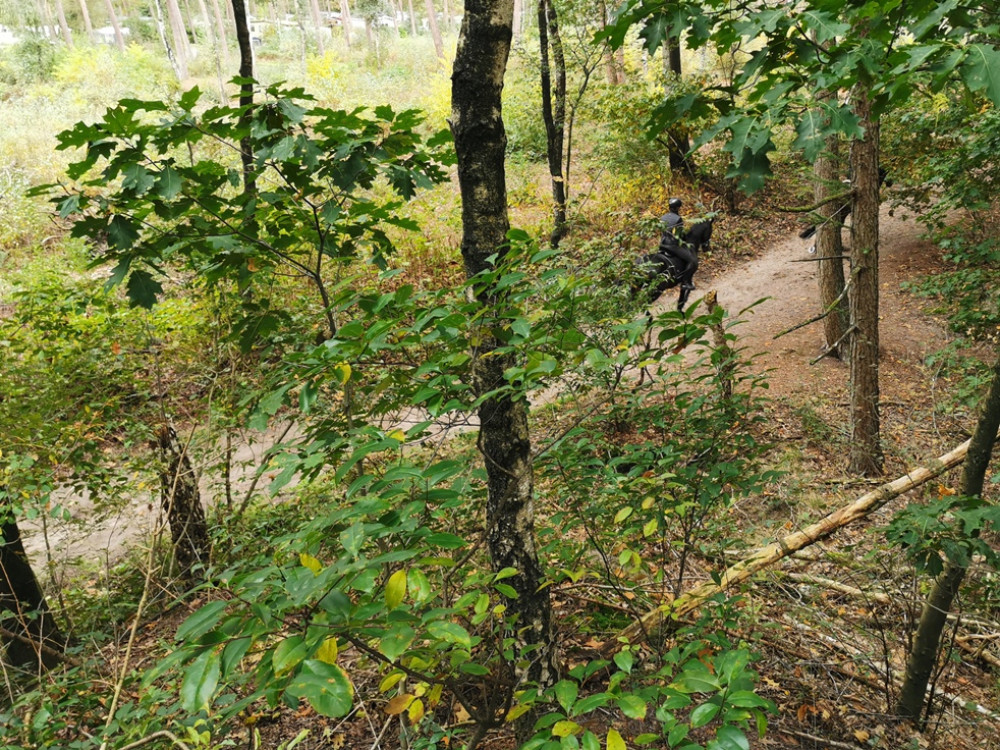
[[682, 298]]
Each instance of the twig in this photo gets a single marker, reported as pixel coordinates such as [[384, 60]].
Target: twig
[[850, 329], [814, 738], [817, 260], [814, 206], [40, 645], [829, 309]]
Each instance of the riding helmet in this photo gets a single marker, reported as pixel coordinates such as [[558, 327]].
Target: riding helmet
[[674, 204]]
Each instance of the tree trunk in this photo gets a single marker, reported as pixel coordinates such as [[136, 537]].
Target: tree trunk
[[480, 142], [179, 31], [87, 25], [181, 503], [612, 71], [113, 19], [317, 20], [927, 639], [30, 636], [158, 13], [553, 116], [345, 21], [516, 23], [413, 19], [866, 447], [246, 93], [432, 24], [67, 35], [830, 246], [220, 32]]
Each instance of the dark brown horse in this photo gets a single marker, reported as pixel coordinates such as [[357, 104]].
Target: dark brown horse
[[660, 271]]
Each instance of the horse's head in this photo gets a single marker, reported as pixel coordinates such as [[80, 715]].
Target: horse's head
[[699, 236]]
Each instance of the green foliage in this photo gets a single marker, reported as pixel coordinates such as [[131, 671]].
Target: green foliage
[[947, 528], [793, 57], [29, 61]]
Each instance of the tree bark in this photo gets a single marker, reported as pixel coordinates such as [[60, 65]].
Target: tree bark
[[866, 448], [113, 19], [87, 25], [554, 116], [345, 20], [181, 502], [246, 93], [158, 14], [67, 35], [220, 31], [432, 24], [179, 31], [317, 20], [35, 640], [480, 142], [927, 639], [829, 245], [612, 70]]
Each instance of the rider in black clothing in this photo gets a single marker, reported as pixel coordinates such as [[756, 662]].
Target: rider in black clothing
[[672, 243]]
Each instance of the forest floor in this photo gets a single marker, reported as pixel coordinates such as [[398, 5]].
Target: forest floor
[[822, 649]]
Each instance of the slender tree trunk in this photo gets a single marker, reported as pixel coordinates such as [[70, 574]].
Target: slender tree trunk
[[829, 245], [30, 636], [345, 20], [67, 35], [866, 448], [432, 24], [220, 32], [480, 142], [87, 25], [113, 19], [246, 93], [516, 24], [413, 19], [553, 116], [611, 69], [927, 639], [179, 32], [158, 14], [317, 20], [214, 41]]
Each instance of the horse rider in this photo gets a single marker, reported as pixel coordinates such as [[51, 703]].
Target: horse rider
[[672, 243]]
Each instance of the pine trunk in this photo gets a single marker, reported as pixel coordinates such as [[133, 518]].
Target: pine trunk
[[87, 25], [866, 447], [67, 35], [113, 20], [480, 142], [432, 24]]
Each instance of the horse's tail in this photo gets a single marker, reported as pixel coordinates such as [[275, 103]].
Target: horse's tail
[[808, 232]]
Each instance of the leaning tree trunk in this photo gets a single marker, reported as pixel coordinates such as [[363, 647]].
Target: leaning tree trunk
[[830, 251], [67, 35], [113, 20], [181, 501], [480, 141], [866, 447], [553, 116], [88, 27], [28, 631], [927, 640]]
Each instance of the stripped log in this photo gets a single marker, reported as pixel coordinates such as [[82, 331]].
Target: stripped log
[[686, 603]]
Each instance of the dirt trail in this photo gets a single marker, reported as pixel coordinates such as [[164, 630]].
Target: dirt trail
[[790, 296]]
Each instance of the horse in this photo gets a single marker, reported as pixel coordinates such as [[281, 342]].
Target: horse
[[659, 271]]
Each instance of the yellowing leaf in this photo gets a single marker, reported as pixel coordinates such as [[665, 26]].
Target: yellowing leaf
[[648, 503], [517, 711], [343, 371], [434, 697], [328, 651], [861, 735], [395, 589], [615, 741], [565, 728], [416, 711], [390, 681], [397, 435], [623, 514], [399, 704], [308, 561]]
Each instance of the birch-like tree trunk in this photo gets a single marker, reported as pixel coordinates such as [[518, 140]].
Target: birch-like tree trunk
[[179, 32], [866, 447], [553, 111], [345, 21], [220, 32], [480, 143]]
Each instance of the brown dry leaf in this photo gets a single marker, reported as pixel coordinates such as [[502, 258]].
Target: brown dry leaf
[[399, 704], [861, 735], [460, 714]]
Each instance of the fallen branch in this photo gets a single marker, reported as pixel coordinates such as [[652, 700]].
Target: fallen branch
[[741, 571], [829, 309]]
